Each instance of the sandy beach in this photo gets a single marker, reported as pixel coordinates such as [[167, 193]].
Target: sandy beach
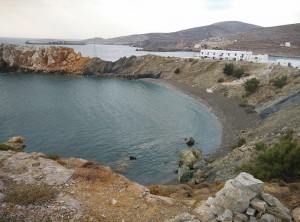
[[234, 119]]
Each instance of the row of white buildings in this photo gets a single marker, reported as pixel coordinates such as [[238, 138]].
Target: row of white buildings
[[245, 55]]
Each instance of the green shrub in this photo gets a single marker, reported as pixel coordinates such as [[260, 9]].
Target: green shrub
[[251, 85], [279, 82], [5, 147], [177, 71], [220, 80], [280, 161], [228, 69], [241, 141], [52, 157], [260, 146], [24, 194], [238, 73]]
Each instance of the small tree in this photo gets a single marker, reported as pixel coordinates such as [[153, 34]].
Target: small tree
[[279, 82], [228, 69], [238, 73], [251, 85]]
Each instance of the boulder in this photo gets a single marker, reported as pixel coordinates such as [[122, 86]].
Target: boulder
[[225, 216], [267, 218], [275, 207], [237, 194], [17, 142], [189, 157], [238, 217], [205, 214], [259, 205], [190, 141], [296, 214], [184, 174], [200, 165]]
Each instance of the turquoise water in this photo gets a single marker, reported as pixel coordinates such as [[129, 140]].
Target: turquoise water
[[106, 120]]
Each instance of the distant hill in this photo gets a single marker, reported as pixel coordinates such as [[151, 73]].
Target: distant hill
[[178, 39], [262, 40]]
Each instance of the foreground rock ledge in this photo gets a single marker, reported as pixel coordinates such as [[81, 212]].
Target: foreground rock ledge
[[115, 198]]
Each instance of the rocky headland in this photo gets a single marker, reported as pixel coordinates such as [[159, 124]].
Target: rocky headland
[[91, 192]]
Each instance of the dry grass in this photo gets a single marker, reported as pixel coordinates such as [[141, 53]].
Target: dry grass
[[91, 171], [289, 195], [30, 194]]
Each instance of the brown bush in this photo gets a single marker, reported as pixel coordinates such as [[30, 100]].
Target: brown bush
[[93, 171]]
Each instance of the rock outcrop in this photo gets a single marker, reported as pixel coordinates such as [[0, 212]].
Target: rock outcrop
[[33, 168], [17, 143], [242, 199], [41, 59], [191, 161]]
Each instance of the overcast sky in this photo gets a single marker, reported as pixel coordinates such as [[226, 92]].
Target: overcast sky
[[80, 19]]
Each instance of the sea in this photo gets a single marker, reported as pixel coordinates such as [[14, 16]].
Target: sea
[[106, 120]]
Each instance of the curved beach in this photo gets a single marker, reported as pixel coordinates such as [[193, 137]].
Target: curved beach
[[233, 118]]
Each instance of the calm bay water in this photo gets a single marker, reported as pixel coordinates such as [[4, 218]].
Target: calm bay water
[[105, 120]]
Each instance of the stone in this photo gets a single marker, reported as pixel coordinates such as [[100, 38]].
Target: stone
[[238, 217], [225, 216], [252, 219], [247, 181], [259, 205], [189, 157], [184, 174], [250, 211], [237, 194], [267, 218], [296, 214], [275, 207], [190, 141], [200, 165], [17, 142], [205, 214]]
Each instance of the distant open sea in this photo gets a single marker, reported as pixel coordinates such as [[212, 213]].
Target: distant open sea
[[105, 52]]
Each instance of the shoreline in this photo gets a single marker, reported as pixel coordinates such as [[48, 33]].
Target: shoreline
[[232, 117]]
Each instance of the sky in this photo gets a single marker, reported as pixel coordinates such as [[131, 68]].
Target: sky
[[82, 19]]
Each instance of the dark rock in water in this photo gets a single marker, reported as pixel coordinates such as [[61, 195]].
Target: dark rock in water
[[132, 158], [190, 141]]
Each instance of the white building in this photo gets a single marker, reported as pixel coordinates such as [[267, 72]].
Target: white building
[[287, 62], [259, 58], [287, 44], [224, 54]]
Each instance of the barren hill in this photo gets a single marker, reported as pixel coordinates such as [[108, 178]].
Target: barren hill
[[179, 39], [262, 40]]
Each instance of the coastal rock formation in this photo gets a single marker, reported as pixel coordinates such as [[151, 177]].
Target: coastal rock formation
[[242, 197], [190, 160], [41, 59], [33, 168], [17, 142]]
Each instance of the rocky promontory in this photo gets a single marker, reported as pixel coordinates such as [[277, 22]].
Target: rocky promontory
[[40, 59]]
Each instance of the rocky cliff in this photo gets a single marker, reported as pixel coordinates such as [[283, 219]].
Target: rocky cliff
[[35, 187], [41, 59]]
